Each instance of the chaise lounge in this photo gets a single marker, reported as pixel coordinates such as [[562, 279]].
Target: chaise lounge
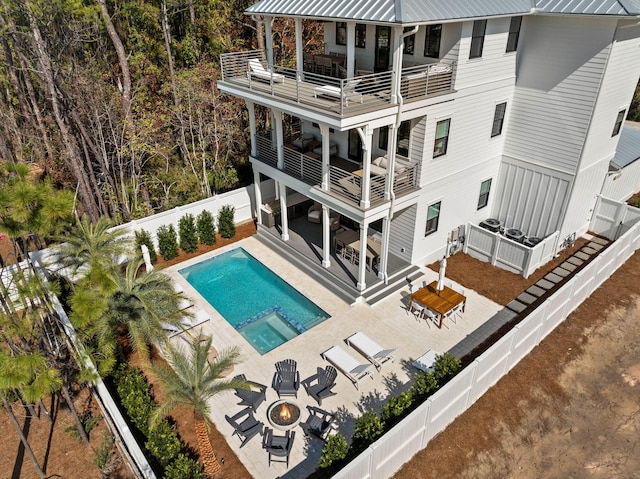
[[258, 71], [347, 364], [347, 93], [370, 349]]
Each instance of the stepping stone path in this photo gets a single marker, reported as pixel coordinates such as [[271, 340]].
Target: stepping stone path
[[546, 286]]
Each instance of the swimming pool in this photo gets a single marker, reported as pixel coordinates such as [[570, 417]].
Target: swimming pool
[[266, 310]]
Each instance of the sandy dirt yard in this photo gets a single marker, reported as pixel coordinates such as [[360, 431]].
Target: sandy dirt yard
[[571, 409]]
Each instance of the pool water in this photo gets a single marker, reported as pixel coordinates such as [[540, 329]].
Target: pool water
[[260, 305]]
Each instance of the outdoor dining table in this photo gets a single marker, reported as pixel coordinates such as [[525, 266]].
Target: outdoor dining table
[[440, 302], [352, 238]]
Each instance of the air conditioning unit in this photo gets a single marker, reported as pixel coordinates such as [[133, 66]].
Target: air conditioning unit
[[514, 234], [491, 224], [531, 241]]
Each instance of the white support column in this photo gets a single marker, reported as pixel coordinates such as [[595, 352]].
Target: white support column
[[351, 49], [257, 193], [268, 41], [366, 137], [326, 156], [279, 143], [397, 63], [284, 217], [383, 262], [326, 237], [252, 128], [391, 148], [299, 51], [362, 264]]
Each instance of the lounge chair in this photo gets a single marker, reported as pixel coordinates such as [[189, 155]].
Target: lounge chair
[[257, 70], [319, 385], [245, 425], [286, 379], [370, 349], [319, 422], [188, 322], [347, 364], [251, 397], [347, 92]]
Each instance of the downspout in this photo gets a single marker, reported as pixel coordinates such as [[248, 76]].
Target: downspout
[[392, 160]]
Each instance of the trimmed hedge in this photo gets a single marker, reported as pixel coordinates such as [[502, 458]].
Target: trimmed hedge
[[188, 235], [144, 238], [206, 229], [184, 468], [226, 221], [167, 242]]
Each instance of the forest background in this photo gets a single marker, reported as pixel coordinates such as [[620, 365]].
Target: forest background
[[118, 100]]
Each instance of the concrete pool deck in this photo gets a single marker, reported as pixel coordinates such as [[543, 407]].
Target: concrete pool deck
[[388, 322]]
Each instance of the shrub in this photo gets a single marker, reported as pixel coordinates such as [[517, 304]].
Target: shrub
[[183, 467], [226, 221], [105, 451], [395, 408], [144, 238], [163, 442], [188, 235], [334, 450], [367, 429], [424, 384], [167, 242], [445, 367], [135, 396], [206, 229]]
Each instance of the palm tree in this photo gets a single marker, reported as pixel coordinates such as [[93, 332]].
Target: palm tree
[[192, 380]]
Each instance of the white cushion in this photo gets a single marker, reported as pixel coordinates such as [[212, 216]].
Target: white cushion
[[381, 161], [376, 170], [315, 214]]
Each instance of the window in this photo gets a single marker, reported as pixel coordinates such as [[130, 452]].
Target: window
[[433, 216], [498, 119], [355, 146], [477, 38], [404, 132], [619, 120], [409, 42], [383, 138], [341, 33], [361, 35], [483, 199], [442, 138], [514, 34], [432, 41]]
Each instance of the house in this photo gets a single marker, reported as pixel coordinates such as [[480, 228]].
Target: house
[[623, 179], [421, 117]]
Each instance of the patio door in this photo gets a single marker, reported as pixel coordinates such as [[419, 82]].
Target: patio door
[[383, 49], [355, 146]]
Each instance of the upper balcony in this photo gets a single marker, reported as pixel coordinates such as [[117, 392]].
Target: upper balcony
[[319, 87]]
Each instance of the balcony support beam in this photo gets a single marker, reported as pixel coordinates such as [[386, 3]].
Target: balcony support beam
[[284, 217], [252, 127], [326, 237], [257, 192], [268, 24], [391, 142], [326, 157], [362, 263], [398, 39], [279, 140], [299, 57], [366, 135], [351, 49], [384, 250]]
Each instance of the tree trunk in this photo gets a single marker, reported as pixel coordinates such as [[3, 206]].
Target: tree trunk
[[194, 39], [74, 413], [208, 458], [24, 440], [167, 43]]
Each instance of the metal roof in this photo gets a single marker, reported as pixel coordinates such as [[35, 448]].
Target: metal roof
[[421, 11], [628, 149]]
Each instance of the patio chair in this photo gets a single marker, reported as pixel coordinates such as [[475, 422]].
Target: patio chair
[[255, 69], [251, 397], [417, 309], [370, 349], [278, 446], [319, 385], [347, 364], [314, 214], [286, 379], [245, 425], [319, 423]]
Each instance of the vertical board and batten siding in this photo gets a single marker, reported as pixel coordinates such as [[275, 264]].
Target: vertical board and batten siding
[[616, 91], [417, 140], [462, 391], [530, 198], [624, 184], [562, 60], [449, 46], [401, 234]]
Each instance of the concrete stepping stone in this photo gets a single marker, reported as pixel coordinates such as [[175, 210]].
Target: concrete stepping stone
[[589, 251], [527, 298], [561, 272], [545, 284], [536, 291], [516, 306], [601, 241], [581, 255], [569, 266], [554, 278], [595, 246], [576, 261]]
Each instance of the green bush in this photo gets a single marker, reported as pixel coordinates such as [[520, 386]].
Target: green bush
[[424, 385], [393, 411], [135, 396], [144, 238], [183, 467], [206, 229], [445, 367], [104, 452], [334, 450], [163, 442], [167, 242], [226, 221], [188, 235], [367, 429]]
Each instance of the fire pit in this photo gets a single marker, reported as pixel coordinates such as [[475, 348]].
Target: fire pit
[[284, 414]]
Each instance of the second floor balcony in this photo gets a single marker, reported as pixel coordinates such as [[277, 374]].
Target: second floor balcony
[[327, 92], [345, 176]]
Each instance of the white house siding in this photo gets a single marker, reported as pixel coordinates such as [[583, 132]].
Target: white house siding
[[561, 61], [530, 197], [402, 232], [618, 85], [620, 186]]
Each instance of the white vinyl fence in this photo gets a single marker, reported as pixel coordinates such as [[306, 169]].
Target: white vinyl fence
[[613, 218], [507, 254], [384, 457]]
